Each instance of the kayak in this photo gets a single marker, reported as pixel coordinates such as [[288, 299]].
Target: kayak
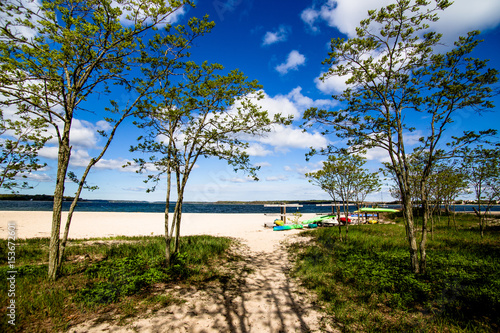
[[318, 219], [288, 227], [374, 210]]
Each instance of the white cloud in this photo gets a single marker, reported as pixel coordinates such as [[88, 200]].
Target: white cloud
[[277, 178], [278, 104], [263, 164], [377, 154], [303, 102], [48, 152], [309, 16], [301, 170], [256, 149], [294, 60], [292, 104], [332, 84], [283, 137], [137, 9], [39, 177], [21, 30], [280, 35], [454, 21], [236, 180]]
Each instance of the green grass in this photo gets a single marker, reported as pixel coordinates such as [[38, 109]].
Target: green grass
[[366, 283], [126, 276]]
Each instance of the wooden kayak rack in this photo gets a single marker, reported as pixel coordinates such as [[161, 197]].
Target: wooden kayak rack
[[283, 208]]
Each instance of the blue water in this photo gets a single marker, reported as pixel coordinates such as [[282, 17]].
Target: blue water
[[159, 207]]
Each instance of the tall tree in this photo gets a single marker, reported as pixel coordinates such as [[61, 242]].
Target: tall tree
[[78, 49], [206, 115], [393, 70]]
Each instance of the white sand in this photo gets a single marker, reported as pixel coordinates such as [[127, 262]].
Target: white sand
[[261, 298], [249, 227]]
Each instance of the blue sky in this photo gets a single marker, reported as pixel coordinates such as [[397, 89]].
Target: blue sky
[[282, 45]]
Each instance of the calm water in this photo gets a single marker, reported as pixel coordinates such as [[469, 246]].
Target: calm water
[[158, 207]]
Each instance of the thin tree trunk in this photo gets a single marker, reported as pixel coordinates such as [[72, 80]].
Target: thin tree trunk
[[410, 231], [339, 222], [454, 217], [423, 241], [168, 239], [62, 168]]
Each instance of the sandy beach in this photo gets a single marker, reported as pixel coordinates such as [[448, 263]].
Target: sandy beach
[[263, 298], [248, 227]]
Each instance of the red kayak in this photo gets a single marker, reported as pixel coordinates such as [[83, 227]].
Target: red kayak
[[342, 219]]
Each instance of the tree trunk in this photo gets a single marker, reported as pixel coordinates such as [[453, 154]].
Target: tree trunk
[[62, 168], [454, 217], [410, 232], [339, 222], [166, 236], [423, 241]]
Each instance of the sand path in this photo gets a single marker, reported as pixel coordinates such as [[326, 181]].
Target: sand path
[[260, 298]]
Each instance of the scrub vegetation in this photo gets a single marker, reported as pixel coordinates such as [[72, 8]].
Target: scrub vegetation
[[367, 285], [113, 278]]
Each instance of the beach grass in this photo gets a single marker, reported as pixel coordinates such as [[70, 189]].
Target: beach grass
[[124, 276], [366, 284]]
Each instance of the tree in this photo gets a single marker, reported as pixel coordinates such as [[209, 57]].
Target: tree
[[481, 167], [447, 183], [80, 48], [20, 140], [343, 177], [365, 184], [393, 72], [205, 115]]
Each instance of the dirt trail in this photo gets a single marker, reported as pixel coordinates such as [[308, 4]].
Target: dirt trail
[[260, 298]]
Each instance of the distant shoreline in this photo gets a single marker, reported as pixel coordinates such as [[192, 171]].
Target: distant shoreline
[[45, 197]]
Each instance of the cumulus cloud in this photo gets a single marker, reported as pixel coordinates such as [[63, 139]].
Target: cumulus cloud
[[309, 16], [292, 104], [303, 102], [137, 10], [283, 137], [377, 154], [301, 170], [454, 21], [280, 35], [263, 164], [277, 178], [293, 61], [236, 179], [279, 104], [256, 149]]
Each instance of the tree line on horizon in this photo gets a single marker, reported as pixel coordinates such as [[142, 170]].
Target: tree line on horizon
[[56, 55]]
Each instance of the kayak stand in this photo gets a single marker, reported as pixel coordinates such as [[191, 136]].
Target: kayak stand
[[283, 208]]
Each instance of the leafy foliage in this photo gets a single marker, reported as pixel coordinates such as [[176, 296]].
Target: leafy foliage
[[20, 141]]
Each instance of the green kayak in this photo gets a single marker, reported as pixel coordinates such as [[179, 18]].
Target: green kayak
[[318, 219], [288, 227]]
